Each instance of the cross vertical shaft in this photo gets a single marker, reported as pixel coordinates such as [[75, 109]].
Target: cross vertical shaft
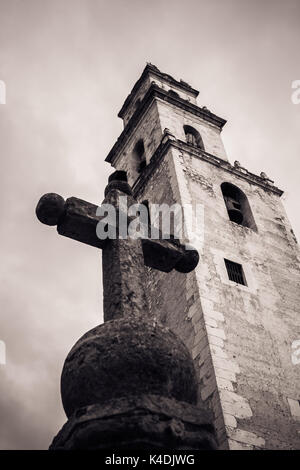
[[123, 266]]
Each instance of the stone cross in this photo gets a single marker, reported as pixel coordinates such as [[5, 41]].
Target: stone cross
[[123, 260], [130, 382]]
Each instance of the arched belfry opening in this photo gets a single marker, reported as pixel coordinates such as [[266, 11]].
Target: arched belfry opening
[[139, 157], [237, 205], [193, 137]]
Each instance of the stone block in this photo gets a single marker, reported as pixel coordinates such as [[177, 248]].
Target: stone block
[[230, 420], [216, 332], [224, 384], [246, 437]]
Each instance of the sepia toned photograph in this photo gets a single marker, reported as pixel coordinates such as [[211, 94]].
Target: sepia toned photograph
[[150, 266]]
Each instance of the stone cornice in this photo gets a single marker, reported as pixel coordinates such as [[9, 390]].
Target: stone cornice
[[150, 68], [168, 142], [155, 92]]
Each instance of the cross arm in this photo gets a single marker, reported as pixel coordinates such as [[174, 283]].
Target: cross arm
[[77, 219]]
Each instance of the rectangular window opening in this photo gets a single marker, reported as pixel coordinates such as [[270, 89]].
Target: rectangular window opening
[[235, 272]]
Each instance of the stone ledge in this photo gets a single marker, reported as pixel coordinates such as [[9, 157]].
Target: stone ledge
[[181, 146]]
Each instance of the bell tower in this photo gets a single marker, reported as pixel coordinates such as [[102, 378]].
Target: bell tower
[[238, 312]]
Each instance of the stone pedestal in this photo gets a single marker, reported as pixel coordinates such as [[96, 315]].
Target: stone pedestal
[[143, 423], [130, 384]]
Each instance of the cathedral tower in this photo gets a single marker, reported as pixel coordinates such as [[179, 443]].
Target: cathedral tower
[[238, 312]]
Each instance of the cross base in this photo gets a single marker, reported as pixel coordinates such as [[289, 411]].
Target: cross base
[[137, 422]]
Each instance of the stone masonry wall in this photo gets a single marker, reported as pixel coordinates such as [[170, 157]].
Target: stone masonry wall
[[241, 337], [256, 325], [139, 95], [145, 85], [175, 118], [148, 129]]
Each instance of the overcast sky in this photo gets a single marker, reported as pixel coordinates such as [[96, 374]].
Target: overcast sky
[[68, 66]]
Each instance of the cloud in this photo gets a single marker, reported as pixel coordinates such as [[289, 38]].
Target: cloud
[[68, 67]]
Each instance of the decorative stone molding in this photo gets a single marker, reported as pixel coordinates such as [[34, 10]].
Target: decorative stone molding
[[238, 171], [155, 92], [150, 68]]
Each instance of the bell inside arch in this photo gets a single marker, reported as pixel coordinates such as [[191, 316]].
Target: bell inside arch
[[234, 210]]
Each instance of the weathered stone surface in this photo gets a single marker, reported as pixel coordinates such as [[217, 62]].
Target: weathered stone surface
[[123, 286], [127, 357], [161, 254], [120, 185], [79, 222], [49, 208], [77, 219], [188, 261], [137, 422]]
